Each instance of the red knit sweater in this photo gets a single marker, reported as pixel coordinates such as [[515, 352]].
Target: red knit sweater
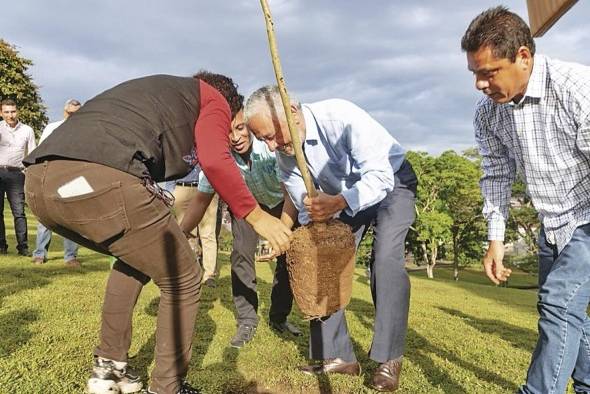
[[213, 152]]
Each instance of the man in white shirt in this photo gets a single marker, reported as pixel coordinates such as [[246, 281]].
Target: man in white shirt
[[43, 233], [16, 141]]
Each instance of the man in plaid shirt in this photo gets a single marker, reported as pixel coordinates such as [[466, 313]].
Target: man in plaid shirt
[[535, 120]]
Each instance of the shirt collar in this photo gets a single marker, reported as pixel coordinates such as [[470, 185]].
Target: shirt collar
[[536, 85], [311, 127], [5, 124]]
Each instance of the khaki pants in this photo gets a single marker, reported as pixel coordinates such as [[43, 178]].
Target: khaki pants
[[206, 229], [120, 217]]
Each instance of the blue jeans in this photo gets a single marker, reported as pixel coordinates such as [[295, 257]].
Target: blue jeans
[[44, 240], [563, 347]]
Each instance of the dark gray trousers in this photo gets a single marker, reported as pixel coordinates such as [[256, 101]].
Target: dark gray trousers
[[243, 275], [390, 285]]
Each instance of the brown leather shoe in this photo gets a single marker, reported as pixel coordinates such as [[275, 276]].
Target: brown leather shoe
[[386, 377], [73, 263], [334, 365]]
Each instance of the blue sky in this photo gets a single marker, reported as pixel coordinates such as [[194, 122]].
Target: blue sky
[[398, 59]]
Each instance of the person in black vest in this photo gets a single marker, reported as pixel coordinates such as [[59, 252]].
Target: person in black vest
[[94, 181]]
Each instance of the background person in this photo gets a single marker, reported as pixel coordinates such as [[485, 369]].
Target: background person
[[206, 231], [535, 118], [43, 239], [16, 141]]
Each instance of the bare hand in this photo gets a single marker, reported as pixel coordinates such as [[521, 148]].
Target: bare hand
[[322, 207], [492, 263], [270, 228]]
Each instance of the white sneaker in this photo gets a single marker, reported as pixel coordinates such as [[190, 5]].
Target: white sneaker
[[108, 379]]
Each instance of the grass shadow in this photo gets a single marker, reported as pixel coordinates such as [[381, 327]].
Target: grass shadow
[[419, 350], [29, 276], [14, 331], [519, 337], [519, 295], [234, 382], [264, 290]]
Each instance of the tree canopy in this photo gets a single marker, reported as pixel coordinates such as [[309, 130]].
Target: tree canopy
[[449, 223], [17, 84]]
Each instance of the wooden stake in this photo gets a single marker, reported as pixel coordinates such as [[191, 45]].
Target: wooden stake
[[276, 62]]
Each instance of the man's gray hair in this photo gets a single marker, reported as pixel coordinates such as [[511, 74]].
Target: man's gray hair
[[73, 102], [267, 99]]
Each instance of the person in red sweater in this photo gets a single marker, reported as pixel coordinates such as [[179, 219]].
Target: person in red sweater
[[94, 181]]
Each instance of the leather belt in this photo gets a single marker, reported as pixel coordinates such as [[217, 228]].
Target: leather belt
[[187, 184]]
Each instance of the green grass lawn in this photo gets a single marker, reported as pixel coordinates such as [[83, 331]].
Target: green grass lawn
[[463, 337]]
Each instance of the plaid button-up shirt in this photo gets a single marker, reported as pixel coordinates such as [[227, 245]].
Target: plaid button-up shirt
[[261, 175], [546, 139]]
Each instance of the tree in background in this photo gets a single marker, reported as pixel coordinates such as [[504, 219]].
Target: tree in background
[[523, 217], [449, 222], [460, 195], [16, 84], [432, 227], [523, 224]]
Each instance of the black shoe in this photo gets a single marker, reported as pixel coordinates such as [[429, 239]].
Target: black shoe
[[210, 282], [285, 327], [244, 335], [24, 252], [188, 389]]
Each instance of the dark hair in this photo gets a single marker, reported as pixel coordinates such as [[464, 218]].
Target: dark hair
[[226, 87], [500, 29], [8, 102]]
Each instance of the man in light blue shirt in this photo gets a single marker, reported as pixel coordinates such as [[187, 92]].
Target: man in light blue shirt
[[259, 168], [363, 178]]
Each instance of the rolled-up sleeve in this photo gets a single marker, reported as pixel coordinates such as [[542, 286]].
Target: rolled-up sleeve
[[204, 185]]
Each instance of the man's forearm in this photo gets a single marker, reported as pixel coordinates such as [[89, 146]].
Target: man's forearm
[[290, 212]]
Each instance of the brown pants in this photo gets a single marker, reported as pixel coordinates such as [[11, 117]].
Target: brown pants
[[120, 217]]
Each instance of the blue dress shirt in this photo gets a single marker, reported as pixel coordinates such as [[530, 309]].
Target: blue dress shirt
[[347, 152]]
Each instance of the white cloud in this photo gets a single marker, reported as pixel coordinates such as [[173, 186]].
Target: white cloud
[[400, 60]]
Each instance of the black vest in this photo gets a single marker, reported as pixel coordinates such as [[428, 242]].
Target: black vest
[[144, 127]]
